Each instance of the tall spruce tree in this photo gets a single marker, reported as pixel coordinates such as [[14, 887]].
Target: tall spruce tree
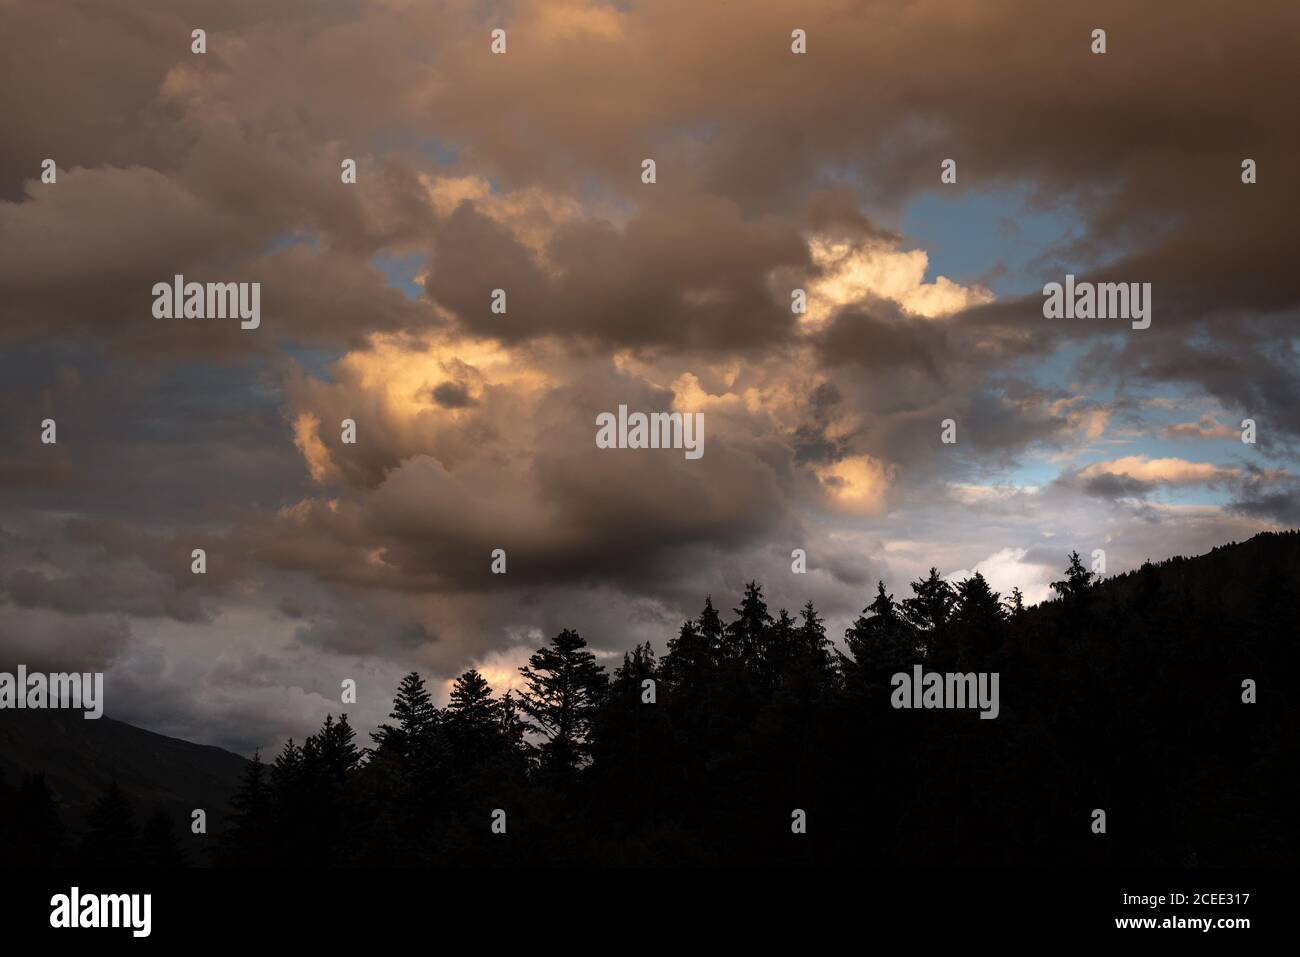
[[513, 728], [158, 845], [294, 797], [247, 839], [320, 786], [563, 686], [629, 737], [112, 838], [1078, 581], [689, 660], [712, 631], [814, 660], [472, 721], [331, 753], [879, 642], [750, 634], [779, 652], [1015, 602], [979, 617], [931, 603], [35, 836], [690, 675], [415, 717]]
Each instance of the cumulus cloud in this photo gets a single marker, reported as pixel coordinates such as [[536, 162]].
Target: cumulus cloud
[[1169, 471], [1010, 568], [853, 272], [857, 484], [1207, 427]]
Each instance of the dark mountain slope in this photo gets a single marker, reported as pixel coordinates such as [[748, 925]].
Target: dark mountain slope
[[79, 758]]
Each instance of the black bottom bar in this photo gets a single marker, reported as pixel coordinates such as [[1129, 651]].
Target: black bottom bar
[[206, 907]]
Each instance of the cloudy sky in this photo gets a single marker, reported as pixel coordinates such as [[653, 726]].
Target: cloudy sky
[[523, 171]]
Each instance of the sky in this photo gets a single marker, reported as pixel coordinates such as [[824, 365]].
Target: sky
[[475, 430]]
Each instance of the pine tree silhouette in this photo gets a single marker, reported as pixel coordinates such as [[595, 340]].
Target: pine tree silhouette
[[564, 685], [689, 658], [630, 738], [158, 845], [712, 631], [748, 636], [778, 654], [33, 832], [879, 643], [247, 840], [979, 617], [416, 718], [1077, 582], [112, 838], [472, 722], [814, 658], [513, 760], [931, 604], [332, 752], [1015, 602], [293, 793]]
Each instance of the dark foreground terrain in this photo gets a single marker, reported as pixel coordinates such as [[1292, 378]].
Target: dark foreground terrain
[[1124, 696]]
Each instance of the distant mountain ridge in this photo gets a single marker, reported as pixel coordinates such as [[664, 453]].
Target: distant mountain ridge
[[1266, 555], [80, 757]]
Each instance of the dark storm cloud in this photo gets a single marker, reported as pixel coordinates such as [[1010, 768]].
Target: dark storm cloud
[[144, 442], [884, 343], [686, 274], [1000, 423], [1272, 498], [810, 442], [46, 641], [1113, 486], [81, 594], [84, 260], [1253, 369], [452, 395], [576, 521], [362, 637]]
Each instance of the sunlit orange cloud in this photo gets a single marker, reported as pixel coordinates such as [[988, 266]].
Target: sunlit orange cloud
[[306, 436], [1172, 471], [1207, 427], [857, 485], [854, 272], [500, 668]]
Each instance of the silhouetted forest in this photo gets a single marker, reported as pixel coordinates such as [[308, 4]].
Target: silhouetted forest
[[1124, 695]]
